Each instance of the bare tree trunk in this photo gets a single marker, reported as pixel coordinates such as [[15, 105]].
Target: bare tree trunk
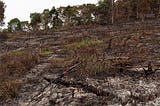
[[112, 17], [137, 13]]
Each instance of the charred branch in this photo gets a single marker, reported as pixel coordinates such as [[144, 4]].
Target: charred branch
[[80, 84]]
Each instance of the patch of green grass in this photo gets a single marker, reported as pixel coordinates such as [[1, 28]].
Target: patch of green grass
[[16, 52], [85, 43], [45, 51], [99, 68]]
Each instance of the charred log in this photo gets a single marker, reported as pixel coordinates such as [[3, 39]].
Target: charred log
[[80, 84]]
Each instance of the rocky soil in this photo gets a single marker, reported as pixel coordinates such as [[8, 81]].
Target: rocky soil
[[129, 87]]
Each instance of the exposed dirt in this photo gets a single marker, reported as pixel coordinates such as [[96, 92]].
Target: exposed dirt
[[127, 86]]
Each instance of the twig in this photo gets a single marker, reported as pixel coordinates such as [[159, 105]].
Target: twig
[[70, 70]]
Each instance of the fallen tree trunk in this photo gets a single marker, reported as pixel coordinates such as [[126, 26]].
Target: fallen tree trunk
[[80, 84], [55, 80]]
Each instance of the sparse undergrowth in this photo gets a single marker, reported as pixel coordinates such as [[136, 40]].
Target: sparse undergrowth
[[85, 43], [109, 52], [102, 56], [45, 51], [13, 66], [118, 59], [3, 36]]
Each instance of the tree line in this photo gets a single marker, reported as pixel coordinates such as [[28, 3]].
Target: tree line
[[104, 12]]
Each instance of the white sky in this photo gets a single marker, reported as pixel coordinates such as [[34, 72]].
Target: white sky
[[22, 8]]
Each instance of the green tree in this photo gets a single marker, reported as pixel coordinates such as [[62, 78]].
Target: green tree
[[53, 13], [105, 11], [45, 18], [55, 20], [2, 10], [35, 20], [87, 13], [25, 26], [14, 25], [70, 13]]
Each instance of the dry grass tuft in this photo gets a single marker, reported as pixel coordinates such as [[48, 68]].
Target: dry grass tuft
[[12, 67], [9, 89], [3, 36]]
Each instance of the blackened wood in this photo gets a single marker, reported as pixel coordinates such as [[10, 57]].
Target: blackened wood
[[80, 84]]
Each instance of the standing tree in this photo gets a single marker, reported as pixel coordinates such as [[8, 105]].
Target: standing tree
[[35, 20], [55, 20], [70, 13], [87, 13], [155, 7], [45, 18], [105, 11], [127, 9], [2, 9], [144, 8], [14, 25], [25, 26]]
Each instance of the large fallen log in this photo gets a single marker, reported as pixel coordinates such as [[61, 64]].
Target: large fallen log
[[79, 84], [55, 80]]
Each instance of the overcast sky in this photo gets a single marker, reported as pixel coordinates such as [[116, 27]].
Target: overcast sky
[[22, 8]]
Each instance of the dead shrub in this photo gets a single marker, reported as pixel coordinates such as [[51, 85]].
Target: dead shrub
[[57, 62], [9, 89], [13, 67], [3, 36], [18, 64], [73, 38]]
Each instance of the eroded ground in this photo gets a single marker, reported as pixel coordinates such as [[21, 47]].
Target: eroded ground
[[111, 60]]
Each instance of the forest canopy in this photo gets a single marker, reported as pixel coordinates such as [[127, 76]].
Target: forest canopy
[[104, 12], [2, 9]]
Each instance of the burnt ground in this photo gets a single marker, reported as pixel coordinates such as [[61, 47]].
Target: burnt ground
[[114, 64]]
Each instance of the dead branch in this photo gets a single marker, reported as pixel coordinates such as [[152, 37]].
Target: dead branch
[[57, 79], [150, 70], [70, 70], [80, 84], [109, 44]]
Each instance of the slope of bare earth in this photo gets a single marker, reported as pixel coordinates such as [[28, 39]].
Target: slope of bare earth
[[92, 65]]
